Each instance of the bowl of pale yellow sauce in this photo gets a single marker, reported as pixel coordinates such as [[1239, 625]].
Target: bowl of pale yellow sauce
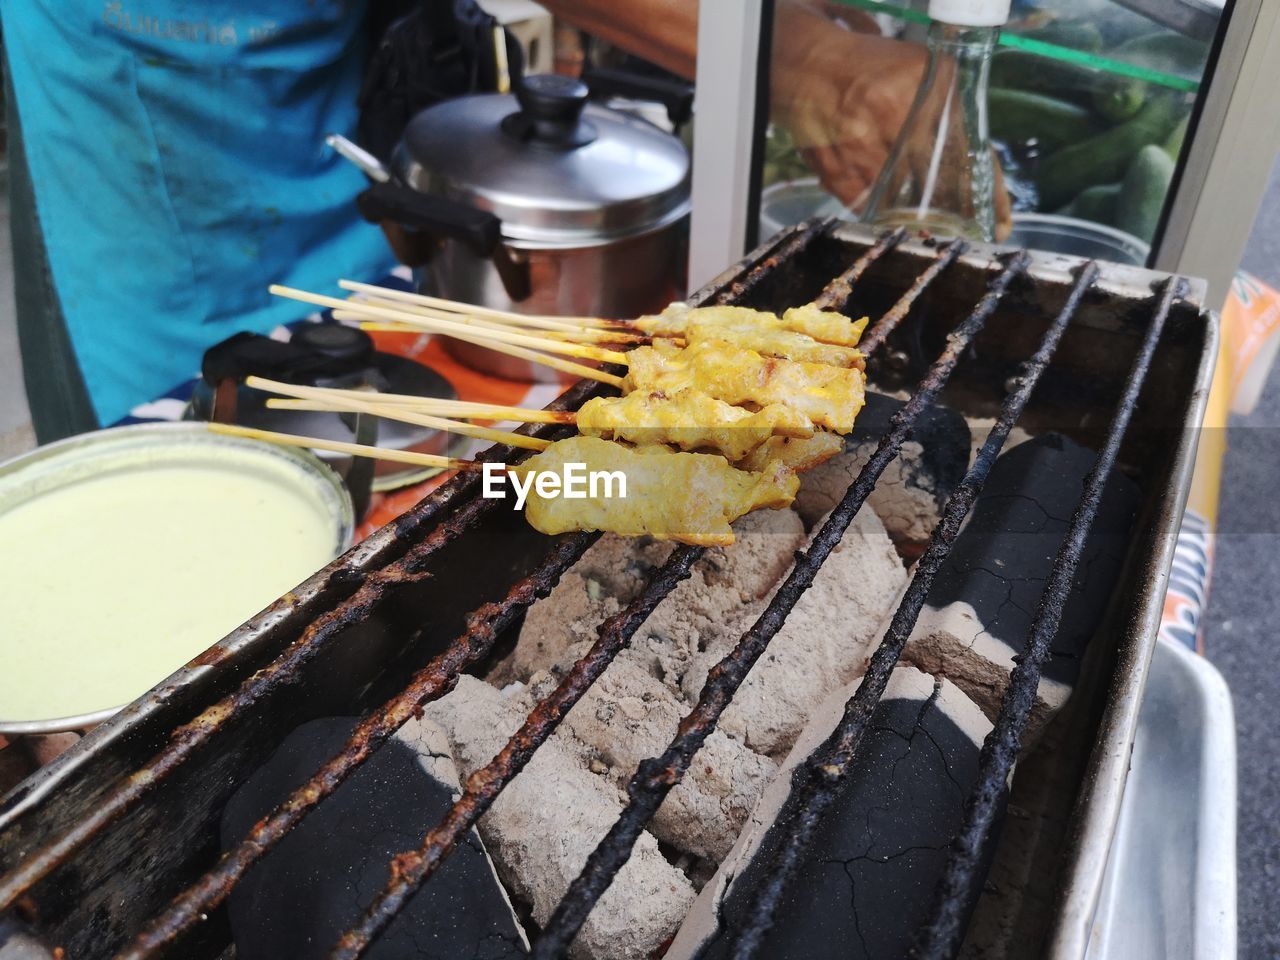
[[127, 552]]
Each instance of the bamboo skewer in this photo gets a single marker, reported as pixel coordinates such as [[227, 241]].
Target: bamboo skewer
[[533, 356], [393, 412], [457, 409], [471, 336], [455, 306], [339, 446], [453, 328], [518, 415], [552, 330]]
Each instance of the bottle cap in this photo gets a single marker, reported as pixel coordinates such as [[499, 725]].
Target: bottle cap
[[970, 13]]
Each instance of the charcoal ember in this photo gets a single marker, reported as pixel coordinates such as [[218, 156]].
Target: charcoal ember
[[720, 599], [984, 598], [866, 882], [824, 643], [627, 716], [544, 825], [321, 877], [909, 496], [720, 593], [18, 943]]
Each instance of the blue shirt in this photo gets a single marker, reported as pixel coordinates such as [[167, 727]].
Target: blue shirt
[[176, 148]]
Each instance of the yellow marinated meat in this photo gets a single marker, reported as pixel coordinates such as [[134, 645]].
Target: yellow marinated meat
[[796, 454], [825, 326], [687, 497], [829, 396], [689, 420], [774, 343]]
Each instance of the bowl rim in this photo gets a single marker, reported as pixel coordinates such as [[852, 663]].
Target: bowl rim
[[191, 431]]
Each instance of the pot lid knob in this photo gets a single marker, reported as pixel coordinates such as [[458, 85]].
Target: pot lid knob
[[550, 112]]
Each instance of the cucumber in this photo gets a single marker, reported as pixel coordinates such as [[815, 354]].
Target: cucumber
[[1119, 98], [1018, 116], [1062, 80], [1166, 51], [1173, 143], [1103, 158], [1096, 203], [1077, 35], [1143, 191]]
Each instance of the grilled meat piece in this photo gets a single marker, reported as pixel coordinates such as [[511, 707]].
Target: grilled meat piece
[[796, 454], [829, 396], [689, 420], [823, 326], [689, 497], [772, 341]]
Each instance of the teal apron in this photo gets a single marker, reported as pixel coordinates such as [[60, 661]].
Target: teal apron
[[177, 156]]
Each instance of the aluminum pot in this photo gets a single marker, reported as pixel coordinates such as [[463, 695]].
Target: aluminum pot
[[537, 202]]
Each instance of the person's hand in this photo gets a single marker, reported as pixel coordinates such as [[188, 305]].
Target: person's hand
[[843, 96]]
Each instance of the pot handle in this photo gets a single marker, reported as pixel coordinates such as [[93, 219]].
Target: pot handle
[[439, 216], [675, 95]]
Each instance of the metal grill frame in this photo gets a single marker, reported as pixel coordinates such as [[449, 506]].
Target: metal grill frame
[[1119, 719]]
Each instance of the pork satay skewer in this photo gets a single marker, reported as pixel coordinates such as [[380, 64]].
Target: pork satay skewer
[[688, 420], [821, 323]]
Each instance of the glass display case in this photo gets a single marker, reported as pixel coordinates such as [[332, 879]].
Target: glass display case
[[1131, 130], [1089, 106]]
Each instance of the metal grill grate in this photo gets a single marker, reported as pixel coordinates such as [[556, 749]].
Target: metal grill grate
[[657, 776]]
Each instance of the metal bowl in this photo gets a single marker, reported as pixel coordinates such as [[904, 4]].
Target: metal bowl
[[1077, 238], [44, 471], [790, 201]]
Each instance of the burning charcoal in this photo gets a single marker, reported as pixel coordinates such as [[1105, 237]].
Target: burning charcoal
[[16, 943], [307, 891], [723, 586], [823, 644], [866, 883], [544, 825], [719, 601], [627, 716], [980, 608], [909, 497]]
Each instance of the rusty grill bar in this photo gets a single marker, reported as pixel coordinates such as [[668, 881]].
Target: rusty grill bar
[[657, 776], [825, 770], [942, 937]]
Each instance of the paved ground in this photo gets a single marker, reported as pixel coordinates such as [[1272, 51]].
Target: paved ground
[[1243, 622]]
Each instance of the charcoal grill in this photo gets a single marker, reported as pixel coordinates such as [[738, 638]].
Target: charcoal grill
[[113, 848]]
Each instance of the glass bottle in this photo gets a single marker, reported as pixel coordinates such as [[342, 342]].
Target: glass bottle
[[940, 175]]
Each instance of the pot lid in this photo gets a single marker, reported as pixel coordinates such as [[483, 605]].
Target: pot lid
[[555, 169]]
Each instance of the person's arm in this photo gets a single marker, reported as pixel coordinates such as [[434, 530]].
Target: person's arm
[[841, 92], [664, 32]]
